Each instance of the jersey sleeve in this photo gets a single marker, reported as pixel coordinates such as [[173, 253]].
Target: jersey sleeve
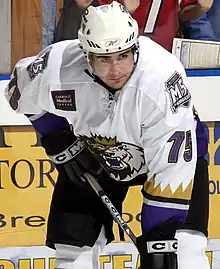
[[29, 85], [28, 91], [169, 141], [22, 91]]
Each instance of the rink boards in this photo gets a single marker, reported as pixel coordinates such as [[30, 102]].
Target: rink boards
[[115, 256]]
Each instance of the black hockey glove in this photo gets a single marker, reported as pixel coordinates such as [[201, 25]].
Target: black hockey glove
[[157, 247], [70, 154]]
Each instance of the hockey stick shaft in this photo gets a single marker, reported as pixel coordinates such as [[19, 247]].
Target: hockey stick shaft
[[114, 212]]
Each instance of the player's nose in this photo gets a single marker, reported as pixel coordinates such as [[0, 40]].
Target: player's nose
[[115, 68]]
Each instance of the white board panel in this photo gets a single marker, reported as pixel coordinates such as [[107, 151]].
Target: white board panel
[[5, 36]]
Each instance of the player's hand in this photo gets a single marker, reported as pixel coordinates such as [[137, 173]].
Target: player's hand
[[83, 4], [72, 157], [205, 5], [164, 232], [131, 5]]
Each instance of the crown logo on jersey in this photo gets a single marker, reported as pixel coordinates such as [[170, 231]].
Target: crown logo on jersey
[[155, 189], [100, 140]]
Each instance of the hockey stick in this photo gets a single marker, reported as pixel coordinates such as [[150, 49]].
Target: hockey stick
[[152, 246], [106, 201], [114, 212]]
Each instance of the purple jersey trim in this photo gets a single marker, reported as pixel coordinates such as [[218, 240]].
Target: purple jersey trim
[[202, 139], [49, 124], [151, 216]]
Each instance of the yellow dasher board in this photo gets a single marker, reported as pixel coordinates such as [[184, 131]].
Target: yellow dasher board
[[27, 180]]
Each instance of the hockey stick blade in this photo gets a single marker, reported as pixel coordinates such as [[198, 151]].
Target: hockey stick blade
[[114, 212]]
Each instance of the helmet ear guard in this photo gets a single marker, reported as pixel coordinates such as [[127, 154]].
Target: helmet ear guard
[[107, 29]]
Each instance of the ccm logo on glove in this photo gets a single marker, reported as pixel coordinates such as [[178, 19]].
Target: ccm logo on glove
[[162, 246], [69, 153]]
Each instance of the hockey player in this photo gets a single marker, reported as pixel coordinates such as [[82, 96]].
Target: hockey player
[[159, 20], [131, 113]]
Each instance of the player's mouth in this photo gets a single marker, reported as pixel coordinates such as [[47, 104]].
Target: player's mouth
[[118, 79]]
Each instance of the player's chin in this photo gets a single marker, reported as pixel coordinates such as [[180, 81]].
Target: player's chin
[[117, 84]]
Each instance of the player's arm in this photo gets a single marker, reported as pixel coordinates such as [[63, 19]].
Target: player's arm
[[24, 90], [68, 154], [200, 29], [191, 10], [83, 4], [23, 94], [169, 141]]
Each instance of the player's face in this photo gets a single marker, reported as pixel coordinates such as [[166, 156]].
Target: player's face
[[114, 69]]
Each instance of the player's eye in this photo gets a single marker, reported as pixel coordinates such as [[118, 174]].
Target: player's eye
[[104, 59], [123, 56]]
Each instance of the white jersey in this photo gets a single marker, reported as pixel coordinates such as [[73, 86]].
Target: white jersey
[[146, 127]]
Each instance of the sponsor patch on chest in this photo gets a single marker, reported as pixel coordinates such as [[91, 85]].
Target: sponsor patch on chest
[[64, 100]]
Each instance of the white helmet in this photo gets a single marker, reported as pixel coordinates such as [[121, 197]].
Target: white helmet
[[107, 29]]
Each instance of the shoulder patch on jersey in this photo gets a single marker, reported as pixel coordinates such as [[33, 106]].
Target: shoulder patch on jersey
[[16, 95], [64, 100], [38, 66], [178, 92]]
